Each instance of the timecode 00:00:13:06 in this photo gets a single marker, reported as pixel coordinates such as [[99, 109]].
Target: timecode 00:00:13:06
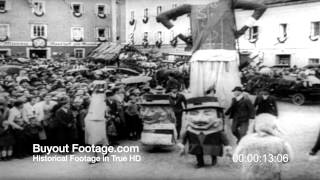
[[261, 158]]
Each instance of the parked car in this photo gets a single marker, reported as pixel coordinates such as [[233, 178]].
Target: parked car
[[298, 92], [280, 66], [311, 66]]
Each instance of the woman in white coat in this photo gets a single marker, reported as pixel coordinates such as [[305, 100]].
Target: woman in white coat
[[95, 121]]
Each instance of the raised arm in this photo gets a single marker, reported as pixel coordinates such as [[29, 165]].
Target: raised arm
[[259, 9], [165, 17]]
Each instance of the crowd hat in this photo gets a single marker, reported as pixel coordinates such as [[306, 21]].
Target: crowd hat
[[18, 102], [237, 88], [155, 100], [63, 100], [265, 90], [145, 87], [2, 101], [159, 88], [108, 93], [202, 103]]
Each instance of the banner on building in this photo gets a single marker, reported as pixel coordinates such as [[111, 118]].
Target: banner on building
[[29, 43]]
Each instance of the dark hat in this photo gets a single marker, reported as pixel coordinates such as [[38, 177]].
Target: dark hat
[[23, 81], [174, 88], [237, 88], [155, 100], [265, 91], [109, 93], [202, 103], [63, 100], [37, 83], [3, 101], [146, 88], [18, 102], [160, 88]]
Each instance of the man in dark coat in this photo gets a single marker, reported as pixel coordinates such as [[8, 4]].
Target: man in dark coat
[[265, 103], [66, 127], [112, 104], [204, 132], [113, 124], [241, 111], [178, 102]]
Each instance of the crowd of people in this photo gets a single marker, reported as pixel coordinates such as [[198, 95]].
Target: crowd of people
[[44, 102]]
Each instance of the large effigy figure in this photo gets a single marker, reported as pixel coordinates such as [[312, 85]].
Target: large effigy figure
[[214, 63]]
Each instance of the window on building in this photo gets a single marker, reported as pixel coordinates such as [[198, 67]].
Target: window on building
[[79, 52], [77, 8], [283, 30], [4, 30], [159, 35], [172, 35], [284, 59], [38, 30], [101, 32], [101, 9], [315, 28], [4, 53], [38, 6], [253, 32], [104, 32], [159, 10], [2, 5], [146, 12], [77, 33], [314, 61]]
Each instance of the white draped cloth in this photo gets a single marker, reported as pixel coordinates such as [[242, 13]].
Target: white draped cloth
[[95, 121], [216, 68]]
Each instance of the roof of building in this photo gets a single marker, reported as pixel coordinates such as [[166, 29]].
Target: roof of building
[[287, 2]]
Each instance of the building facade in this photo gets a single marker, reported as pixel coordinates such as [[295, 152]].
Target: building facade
[[137, 23], [287, 34], [54, 28]]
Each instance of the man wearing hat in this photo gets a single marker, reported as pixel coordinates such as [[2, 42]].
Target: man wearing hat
[[6, 135], [172, 83], [241, 111], [113, 117], [17, 122], [204, 129], [158, 90], [265, 103], [178, 103], [65, 122]]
